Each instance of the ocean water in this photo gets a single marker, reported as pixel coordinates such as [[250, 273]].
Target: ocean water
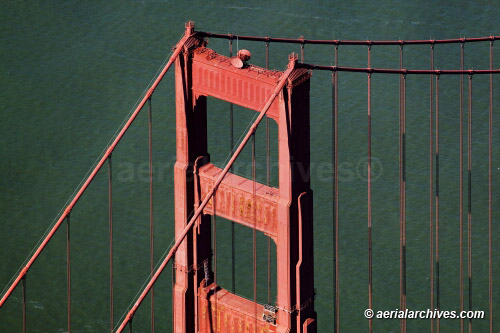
[[71, 71]]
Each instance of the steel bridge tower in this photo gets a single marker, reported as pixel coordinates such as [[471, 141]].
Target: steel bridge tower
[[284, 213]]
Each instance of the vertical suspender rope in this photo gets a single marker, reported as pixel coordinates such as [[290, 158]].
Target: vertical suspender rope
[[437, 202], [231, 104], [233, 244], [336, 292], [490, 225], [214, 235], [404, 193], [110, 216], [461, 152], [214, 231], [268, 183], [469, 188], [431, 187], [401, 300], [402, 187], [68, 271], [196, 265], [172, 278], [334, 199], [196, 231], [299, 263], [281, 83], [94, 172], [302, 49], [195, 248], [24, 303], [254, 231], [151, 220], [370, 323]]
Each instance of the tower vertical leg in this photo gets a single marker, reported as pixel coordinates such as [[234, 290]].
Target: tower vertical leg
[[295, 277], [203, 73], [191, 138]]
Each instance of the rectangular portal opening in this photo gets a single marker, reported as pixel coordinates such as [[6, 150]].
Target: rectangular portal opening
[[220, 144], [229, 236]]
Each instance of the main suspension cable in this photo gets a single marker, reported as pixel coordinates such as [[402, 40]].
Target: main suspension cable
[[93, 173]]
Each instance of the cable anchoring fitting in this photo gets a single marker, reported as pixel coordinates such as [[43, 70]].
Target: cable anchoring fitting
[[129, 317], [67, 210], [292, 59], [24, 271]]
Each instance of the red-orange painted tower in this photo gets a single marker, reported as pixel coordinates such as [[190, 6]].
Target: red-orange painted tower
[[284, 213]]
